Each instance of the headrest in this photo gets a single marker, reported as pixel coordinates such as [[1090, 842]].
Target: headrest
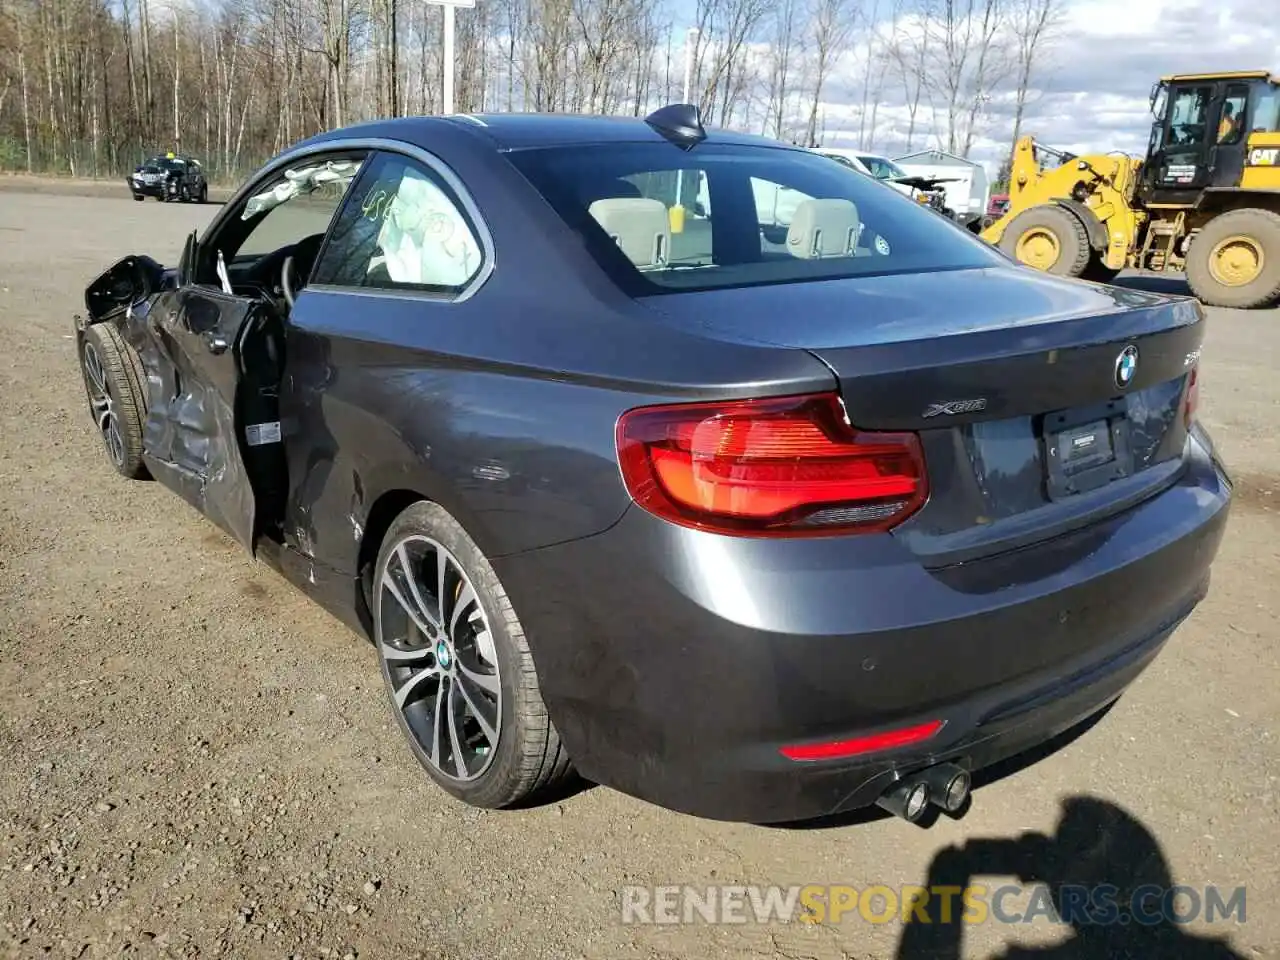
[[823, 228], [611, 189], [640, 228]]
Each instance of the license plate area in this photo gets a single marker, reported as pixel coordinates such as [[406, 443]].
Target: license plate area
[[1086, 448]]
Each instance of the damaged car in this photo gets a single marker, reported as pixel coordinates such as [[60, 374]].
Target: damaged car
[[755, 522], [168, 178]]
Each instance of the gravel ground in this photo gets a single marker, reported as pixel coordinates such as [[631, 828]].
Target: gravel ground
[[199, 762]]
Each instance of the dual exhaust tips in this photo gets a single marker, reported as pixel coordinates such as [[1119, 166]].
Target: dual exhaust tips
[[944, 785]]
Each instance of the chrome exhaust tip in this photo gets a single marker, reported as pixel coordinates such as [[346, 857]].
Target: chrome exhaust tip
[[948, 785], [907, 799]]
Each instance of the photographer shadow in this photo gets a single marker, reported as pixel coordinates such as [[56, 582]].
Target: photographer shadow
[[1096, 843]]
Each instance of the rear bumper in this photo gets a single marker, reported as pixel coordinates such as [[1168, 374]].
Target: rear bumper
[[676, 664]]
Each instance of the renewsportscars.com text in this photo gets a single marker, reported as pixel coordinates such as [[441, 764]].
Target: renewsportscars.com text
[[1078, 905]]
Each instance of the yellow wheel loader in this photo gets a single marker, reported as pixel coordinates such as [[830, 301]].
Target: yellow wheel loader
[[1205, 200]]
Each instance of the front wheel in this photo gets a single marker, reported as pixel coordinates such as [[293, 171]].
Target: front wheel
[[114, 383], [1049, 238], [1234, 261], [457, 666]]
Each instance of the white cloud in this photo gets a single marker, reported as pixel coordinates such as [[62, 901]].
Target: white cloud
[[1091, 92]]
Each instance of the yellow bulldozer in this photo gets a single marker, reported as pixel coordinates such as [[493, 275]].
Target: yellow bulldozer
[[1205, 200]]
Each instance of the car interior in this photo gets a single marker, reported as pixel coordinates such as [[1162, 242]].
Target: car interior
[[269, 248], [640, 226]]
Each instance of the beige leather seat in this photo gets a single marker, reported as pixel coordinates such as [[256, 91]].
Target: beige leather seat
[[823, 228], [640, 227]]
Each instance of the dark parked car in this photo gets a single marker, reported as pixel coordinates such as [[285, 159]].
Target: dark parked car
[[755, 522], [170, 177]]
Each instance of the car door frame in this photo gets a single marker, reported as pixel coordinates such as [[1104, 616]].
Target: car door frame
[[210, 434]]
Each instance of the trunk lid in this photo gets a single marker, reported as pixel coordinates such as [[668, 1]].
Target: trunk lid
[[1042, 404]]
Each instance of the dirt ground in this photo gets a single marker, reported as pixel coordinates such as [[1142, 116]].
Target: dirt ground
[[198, 762]]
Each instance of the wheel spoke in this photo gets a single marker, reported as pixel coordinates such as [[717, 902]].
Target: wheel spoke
[[406, 689], [459, 763], [466, 597], [102, 412], [114, 440], [403, 556], [93, 367], [408, 606], [490, 732], [435, 726], [401, 657], [442, 568], [485, 681]]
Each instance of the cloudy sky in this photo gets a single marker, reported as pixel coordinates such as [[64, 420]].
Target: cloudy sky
[[1097, 75]]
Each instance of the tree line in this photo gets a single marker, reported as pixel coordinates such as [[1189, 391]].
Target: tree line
[[92, 87]]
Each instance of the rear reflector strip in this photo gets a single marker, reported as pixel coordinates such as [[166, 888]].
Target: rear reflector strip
[[837, 749]]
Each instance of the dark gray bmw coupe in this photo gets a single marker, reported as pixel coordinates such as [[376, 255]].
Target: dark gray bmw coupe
[[715, 470]]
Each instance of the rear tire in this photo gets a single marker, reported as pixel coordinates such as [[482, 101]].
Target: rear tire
[[1234, 261], [1049, 238], [115, 385], [479, 663]]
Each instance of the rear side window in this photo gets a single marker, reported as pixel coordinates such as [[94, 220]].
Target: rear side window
[[881, 168], [401, 229], [661, 219]]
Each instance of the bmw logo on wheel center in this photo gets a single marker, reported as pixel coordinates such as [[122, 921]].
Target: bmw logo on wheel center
[[1126, 365]]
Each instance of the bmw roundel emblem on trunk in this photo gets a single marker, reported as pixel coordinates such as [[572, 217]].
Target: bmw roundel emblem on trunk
[[1126, 365]]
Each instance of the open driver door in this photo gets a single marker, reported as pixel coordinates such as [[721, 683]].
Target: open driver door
[[219, 443]]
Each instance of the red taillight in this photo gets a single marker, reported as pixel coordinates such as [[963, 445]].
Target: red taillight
[[836, 749], [1193, 396], [784, 466]]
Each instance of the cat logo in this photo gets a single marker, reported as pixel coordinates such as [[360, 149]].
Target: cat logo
[[1264, 157]]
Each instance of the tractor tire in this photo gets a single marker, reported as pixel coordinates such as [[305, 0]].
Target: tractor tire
[[1048, 238], [1234, 261]]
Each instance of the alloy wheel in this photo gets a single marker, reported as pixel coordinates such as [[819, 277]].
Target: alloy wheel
[[439, 658], [102, 405]]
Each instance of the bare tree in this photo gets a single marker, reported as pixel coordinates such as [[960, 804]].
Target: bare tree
[[785, 47], [910, 50], [831, 23], [98, 85], [1033, 23], [991, 65]]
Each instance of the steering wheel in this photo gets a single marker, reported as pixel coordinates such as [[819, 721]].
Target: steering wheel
[[296, 266], [286, 279]]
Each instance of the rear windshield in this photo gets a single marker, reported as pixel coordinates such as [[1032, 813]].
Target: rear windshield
[[661, 219]]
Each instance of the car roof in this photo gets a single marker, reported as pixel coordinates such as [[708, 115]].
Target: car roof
[[522, 131]]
